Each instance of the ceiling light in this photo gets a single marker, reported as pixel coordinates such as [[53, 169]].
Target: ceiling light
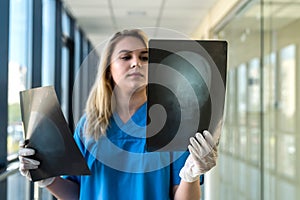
[[136, 13]]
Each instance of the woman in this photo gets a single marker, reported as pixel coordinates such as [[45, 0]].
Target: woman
[[115, 119]]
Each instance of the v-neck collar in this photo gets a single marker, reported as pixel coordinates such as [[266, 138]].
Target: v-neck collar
[[134, 119]]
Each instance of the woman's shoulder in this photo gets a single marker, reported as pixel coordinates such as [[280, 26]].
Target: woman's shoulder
[[82, 120], [80, 124]]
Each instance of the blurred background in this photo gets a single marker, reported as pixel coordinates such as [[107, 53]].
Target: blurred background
[[44, 42]]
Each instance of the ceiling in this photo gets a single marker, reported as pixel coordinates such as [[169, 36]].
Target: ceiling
[[101, 18]]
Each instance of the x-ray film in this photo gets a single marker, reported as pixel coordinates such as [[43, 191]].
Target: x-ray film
[[186, 91], [47, 131]]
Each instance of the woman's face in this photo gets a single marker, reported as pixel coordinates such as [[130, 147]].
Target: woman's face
[[129, 64]]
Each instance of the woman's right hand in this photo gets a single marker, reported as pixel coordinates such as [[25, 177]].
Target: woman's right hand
[[27, 163]]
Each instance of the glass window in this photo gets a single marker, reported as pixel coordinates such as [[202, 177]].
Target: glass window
[[286, 156], [242, 94], [254, 146], [269, 89], [270, 105], [18, 187], [83, 75], [242, 180], [254, 177], [230, 97], [289, 188], [282, 151], [65, 65], [243, 141], [272, 100], [269, 186], [287, 95], [76, 86], [19, 71], [66, 28], [65, 80], [269, 83], [253, 89], [48, 51], [270, 149], [19, 67], [242, 33]]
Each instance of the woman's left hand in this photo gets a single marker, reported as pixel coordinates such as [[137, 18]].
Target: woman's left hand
[[203, 157]]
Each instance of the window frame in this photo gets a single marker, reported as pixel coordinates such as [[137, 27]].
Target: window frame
[[4, 40]]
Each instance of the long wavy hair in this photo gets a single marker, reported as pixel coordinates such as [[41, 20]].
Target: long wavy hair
[[99, 103]]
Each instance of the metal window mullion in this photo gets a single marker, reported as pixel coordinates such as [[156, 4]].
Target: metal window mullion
[[71, 46], [58, 51], [84, 73], [297, 115], [81, 72], [4, 38], [36, 80], [262, 112]]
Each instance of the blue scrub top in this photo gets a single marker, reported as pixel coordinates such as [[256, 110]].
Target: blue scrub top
[[121, 168]]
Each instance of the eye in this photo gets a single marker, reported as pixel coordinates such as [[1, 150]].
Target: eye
[[144, 58], [125, 57]]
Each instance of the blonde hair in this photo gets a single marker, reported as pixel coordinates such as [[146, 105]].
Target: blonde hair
[[99, 106]]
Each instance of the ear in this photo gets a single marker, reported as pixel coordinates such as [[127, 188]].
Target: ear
[[108, 74], [110, 78]]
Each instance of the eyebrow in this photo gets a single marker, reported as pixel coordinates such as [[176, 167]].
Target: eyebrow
[[128, 51]]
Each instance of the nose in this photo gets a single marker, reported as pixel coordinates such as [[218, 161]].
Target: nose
[[136, 62]]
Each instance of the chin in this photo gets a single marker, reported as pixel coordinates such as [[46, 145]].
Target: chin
[[139, 87]]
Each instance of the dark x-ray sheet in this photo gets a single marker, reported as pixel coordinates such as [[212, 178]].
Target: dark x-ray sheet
[[47, 132], [186, 91]]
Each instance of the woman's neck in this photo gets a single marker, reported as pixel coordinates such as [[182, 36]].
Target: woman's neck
[[128, 104]]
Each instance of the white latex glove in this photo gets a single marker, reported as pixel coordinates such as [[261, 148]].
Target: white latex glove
[[27, 164], [203, 157]]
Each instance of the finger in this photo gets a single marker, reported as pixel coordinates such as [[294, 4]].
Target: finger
[[25, 160], [195, 144], [195, 155], [27, 166], [24, 172], [26, 152], [203, 143], [23, 143], [209, 138]]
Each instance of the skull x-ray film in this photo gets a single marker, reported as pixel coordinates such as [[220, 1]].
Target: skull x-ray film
[[186, 91]]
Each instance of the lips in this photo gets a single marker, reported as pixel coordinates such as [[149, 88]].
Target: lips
[[136, 74]]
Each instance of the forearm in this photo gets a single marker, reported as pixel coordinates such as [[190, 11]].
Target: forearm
[[189, 191], [64, 189]]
